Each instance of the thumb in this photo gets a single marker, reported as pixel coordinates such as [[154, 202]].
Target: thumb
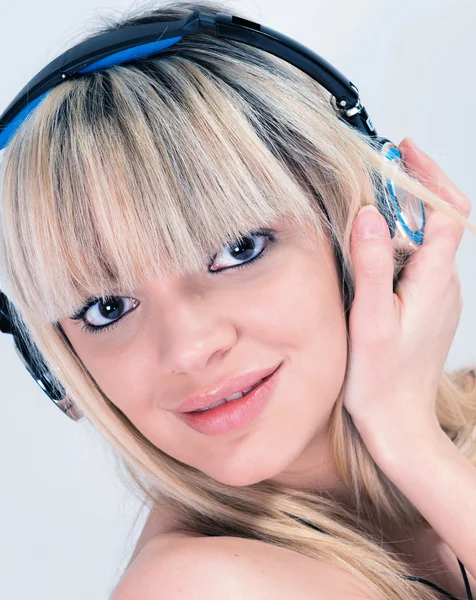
[[373, 264]]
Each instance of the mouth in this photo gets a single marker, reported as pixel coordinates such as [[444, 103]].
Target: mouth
[[231, 398], [226, 391], [228, 415]]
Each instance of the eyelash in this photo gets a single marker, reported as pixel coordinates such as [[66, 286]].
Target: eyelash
[[79, 317]]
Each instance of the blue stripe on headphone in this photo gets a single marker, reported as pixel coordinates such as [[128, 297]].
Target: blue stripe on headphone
[[15, 123], [130, 54], [416, 236]]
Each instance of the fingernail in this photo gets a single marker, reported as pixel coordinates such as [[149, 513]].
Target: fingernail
[[414, 145], [370, 225]]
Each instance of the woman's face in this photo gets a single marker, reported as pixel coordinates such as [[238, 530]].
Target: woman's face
[[187, 335]]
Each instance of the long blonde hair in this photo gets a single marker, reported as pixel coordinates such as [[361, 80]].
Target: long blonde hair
[[189, 150]]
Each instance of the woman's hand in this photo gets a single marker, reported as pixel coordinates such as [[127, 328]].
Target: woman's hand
[[399, 341]]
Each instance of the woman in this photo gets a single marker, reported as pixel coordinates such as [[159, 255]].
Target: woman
[[201, 211]]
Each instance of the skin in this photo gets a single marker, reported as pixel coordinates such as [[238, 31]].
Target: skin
[[188, 334]]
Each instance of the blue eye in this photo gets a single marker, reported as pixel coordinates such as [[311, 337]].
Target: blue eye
[[113, 307], [108, 308], [243, 249]]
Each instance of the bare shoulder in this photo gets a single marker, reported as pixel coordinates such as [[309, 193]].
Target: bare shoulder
[[178, 565]]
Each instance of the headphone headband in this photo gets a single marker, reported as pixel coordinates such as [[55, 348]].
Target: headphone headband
[[129, 44]]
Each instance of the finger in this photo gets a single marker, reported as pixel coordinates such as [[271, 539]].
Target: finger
[[428, 172], [432, 176], [372, 258], [442, 233]]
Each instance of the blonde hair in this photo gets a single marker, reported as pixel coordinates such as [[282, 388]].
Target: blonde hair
[[190, 150]]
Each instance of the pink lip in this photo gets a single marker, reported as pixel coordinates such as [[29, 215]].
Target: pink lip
[[225, 389], [236, 414]]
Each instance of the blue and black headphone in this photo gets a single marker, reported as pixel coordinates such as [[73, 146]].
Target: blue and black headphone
[[404, 214]]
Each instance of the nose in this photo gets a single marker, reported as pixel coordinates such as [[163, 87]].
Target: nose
[[195, 331]]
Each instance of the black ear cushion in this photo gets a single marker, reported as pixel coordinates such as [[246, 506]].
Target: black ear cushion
[[37, 368], [5, 318], [29, 354], [383, 207]]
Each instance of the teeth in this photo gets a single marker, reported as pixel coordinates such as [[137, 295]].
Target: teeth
[[230, 398], [235, 396], [212, 406]]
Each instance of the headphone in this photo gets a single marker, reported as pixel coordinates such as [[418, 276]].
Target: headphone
[[404, 214]]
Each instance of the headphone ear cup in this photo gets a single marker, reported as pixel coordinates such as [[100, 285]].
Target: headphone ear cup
[[382, 192], [384, 206], [403, 212], [36, 366], [35, 363], [6, 325]]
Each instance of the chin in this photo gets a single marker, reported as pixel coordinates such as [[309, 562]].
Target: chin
[[239, 482], [246, 473]]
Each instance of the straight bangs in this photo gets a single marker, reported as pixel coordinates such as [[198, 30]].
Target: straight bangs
[[132, 174]]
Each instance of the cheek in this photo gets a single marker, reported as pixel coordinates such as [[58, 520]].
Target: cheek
[[299, 317], [301, 308], [123, 374], [309, 321]]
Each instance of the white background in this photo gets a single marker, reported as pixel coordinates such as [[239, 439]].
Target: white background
[[66, 522]]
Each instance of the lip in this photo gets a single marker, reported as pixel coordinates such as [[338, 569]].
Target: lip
[[236, 414], [223, 390]]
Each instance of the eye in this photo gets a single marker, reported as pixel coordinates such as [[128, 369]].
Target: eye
[[245, 249], [101, 314]]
